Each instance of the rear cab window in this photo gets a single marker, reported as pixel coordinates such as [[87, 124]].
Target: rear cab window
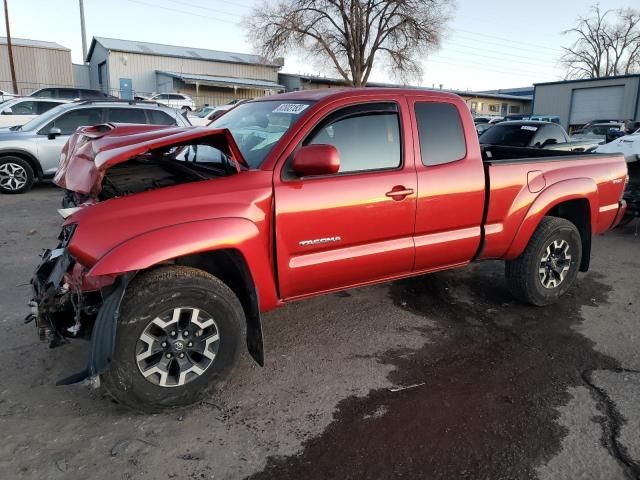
[[440, 133]]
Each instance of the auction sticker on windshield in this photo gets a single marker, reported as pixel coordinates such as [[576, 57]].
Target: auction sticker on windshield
[[294, 108], [528, 127]]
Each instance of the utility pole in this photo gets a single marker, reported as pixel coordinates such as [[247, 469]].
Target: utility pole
[[84, 33], [10, 50]]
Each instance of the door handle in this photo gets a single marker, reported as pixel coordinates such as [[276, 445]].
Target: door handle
[[399, 192]]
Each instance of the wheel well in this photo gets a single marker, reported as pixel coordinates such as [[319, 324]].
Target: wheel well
[[37, 170], [230, 267], [577, 212]]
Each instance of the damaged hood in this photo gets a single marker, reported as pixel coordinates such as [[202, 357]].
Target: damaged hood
[[92, 150]]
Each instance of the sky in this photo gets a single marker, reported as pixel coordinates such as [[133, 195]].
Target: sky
[[488, 45]]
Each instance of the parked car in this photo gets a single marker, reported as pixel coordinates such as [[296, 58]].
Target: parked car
[[312, 192], [31, 152], [483, 127], [604, 120], [600, 131], [545, 118], [174, 100], [629, 146], [4, 95], [66, 93], [529, 134], [208, 114], [19, 111]]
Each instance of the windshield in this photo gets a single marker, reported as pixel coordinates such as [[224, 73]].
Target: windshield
[[203, 112], [509, 135], [257, 126]]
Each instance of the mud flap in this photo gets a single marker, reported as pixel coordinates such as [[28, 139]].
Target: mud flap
[[103, 337], [255, 342]]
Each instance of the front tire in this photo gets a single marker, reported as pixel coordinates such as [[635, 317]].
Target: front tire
[[179, 335], [16, 175], [549, 265]]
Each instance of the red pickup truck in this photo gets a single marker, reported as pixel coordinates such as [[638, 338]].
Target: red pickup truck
[[182, 237]]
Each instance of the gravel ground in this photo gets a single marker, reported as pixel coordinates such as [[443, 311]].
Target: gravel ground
[[496, 389]]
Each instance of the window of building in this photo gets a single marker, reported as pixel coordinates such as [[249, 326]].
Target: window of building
[[514, 109], [440, 133], [474, 107], [365, 140], [494, 107]]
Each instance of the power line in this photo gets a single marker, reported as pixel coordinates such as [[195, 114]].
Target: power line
[[508, 40], [205, 8], [215, 19]]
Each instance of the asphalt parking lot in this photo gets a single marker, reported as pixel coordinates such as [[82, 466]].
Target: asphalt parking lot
[[438, 377]]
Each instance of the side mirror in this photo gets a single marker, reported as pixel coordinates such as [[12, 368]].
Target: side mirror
[[316, 160], [53, 133]]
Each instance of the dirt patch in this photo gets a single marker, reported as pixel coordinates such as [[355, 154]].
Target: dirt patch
[[487, 408]]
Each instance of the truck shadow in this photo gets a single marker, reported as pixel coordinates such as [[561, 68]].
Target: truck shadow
[[481, 404]]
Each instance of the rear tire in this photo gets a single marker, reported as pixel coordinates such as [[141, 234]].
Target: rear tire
[[164, 359], [16, 175], [549, 265]]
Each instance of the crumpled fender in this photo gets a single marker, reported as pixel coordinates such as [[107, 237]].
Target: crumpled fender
[[573, 189], [166, 243]]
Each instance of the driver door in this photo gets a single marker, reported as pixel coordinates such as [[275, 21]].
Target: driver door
[[347, 229]]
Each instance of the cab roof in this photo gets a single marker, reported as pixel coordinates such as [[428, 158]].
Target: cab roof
[[336, 93]]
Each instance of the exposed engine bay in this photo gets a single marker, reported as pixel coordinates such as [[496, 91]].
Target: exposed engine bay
[[158, 169]]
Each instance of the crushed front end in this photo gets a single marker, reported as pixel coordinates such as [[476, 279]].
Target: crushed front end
[[59, 306]]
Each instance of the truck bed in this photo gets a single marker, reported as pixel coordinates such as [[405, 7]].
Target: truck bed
[[516, 185]]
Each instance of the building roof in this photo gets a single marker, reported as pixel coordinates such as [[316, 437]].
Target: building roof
[[26, 42], [218, 81], [340, 82], [580, 80], [159, 49]]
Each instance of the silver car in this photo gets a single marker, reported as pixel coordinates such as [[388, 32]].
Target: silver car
[[32, 151]]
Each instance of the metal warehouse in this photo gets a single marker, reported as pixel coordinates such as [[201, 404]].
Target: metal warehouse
[[37, 64], [128, 68], [577, 102]]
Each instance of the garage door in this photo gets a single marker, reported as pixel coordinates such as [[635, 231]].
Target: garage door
[[599, 103]]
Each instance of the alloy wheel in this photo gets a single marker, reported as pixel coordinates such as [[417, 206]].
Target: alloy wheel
[[555, 264], [177, 346], [12, 176]]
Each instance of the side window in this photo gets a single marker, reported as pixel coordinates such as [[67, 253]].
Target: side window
[[68, 93], [70, 121], [365, 141], [157, 117], [176, 97], [440, 133], [162, 96], [24, 108], [46, 106], [126, 115]]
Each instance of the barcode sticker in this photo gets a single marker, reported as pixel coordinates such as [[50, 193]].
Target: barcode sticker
[[528, 127], [294, 108]]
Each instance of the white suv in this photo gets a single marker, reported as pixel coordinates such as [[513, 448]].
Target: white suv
[[19, 111], [175, 100]]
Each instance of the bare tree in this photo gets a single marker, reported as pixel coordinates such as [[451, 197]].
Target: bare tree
[[352, 34], [602, 48]]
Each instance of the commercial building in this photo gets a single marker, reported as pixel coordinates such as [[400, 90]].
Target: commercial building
[[37, 64], [493, 103], [128, 68], [577, 102]]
